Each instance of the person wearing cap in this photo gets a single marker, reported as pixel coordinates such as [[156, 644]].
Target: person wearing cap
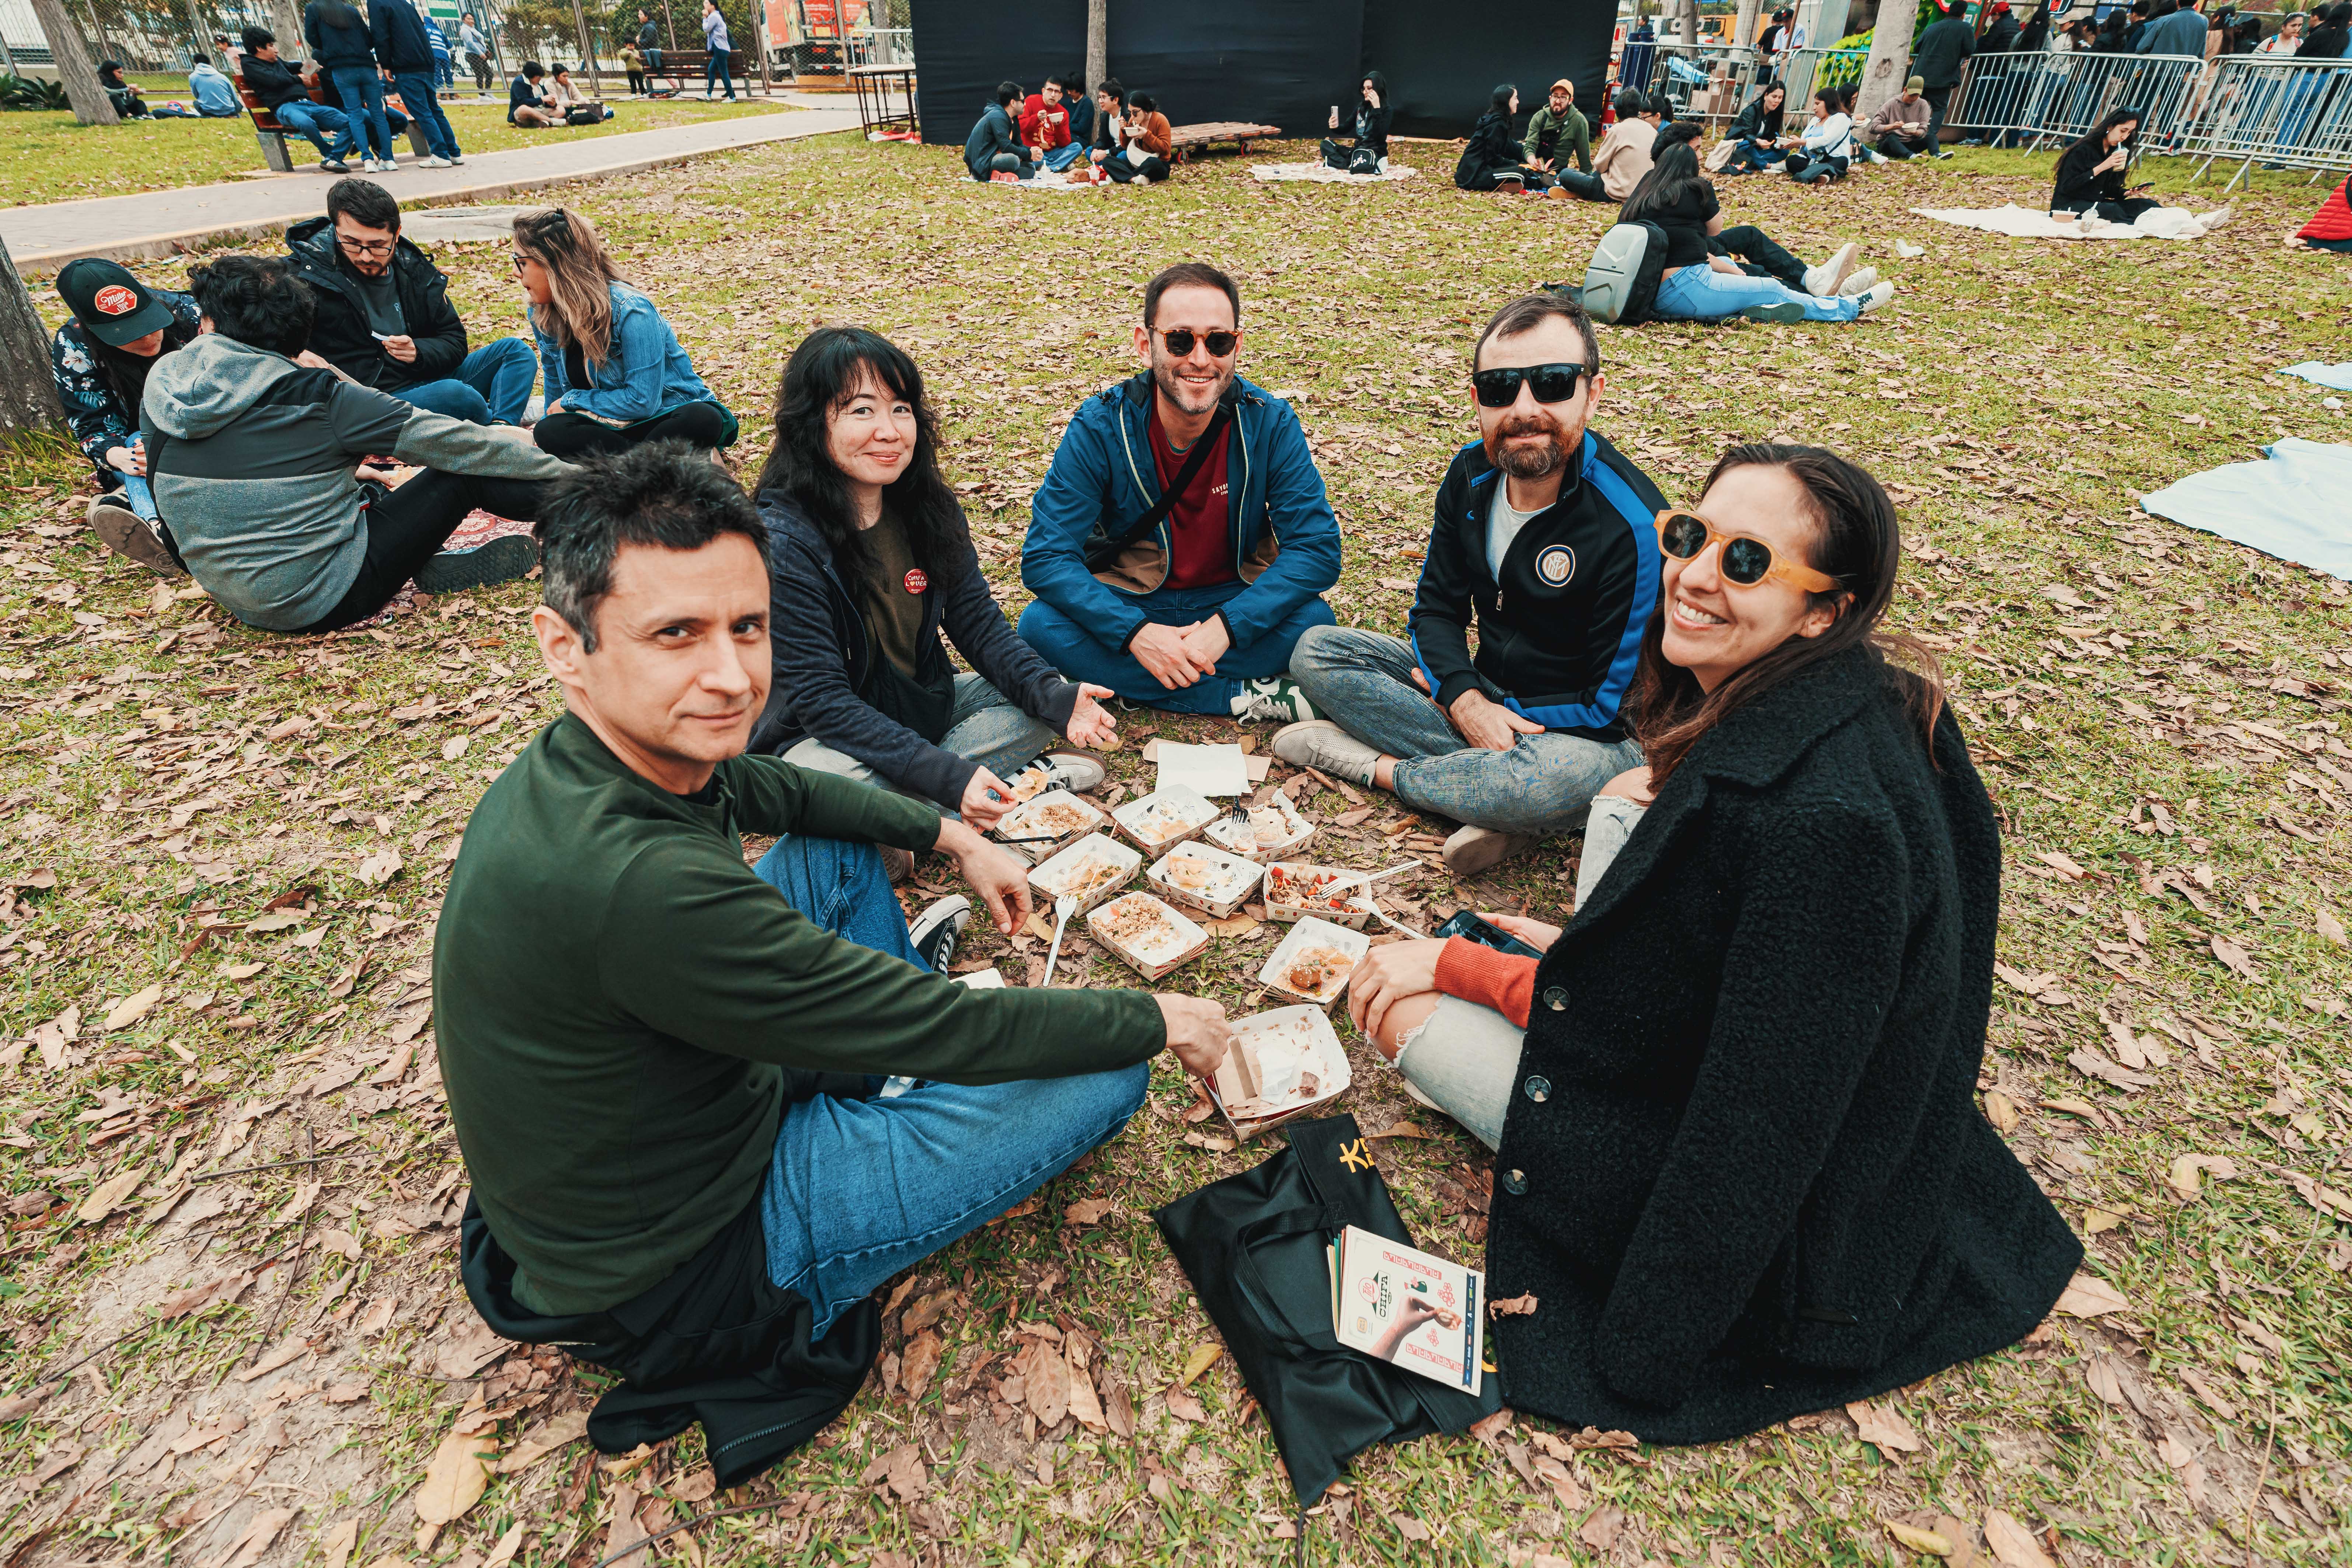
[[385, 320], [1558, 131], [101, 359], [278, 86], [1899, 128]]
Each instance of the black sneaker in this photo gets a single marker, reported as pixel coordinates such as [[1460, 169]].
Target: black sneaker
[[936, 931], [500, 560], [128, 534]]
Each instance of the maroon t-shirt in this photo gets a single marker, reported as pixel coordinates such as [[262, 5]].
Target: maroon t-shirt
[[1200, 537]]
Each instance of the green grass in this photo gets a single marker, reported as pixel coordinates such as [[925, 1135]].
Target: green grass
[[48, 156], [2018, 402]]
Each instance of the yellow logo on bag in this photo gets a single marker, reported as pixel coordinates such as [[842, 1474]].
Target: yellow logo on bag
[[1354, 1156]]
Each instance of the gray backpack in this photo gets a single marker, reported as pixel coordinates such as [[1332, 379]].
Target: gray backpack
[[1621, 283]]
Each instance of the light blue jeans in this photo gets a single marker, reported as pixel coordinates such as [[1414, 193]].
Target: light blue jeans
[[419, 91], [490, 386], [1539, 787], [135, 493], [1702, 294], [307, 120], [859, 1189], [361, 90], [1060, 158], [983, 727]]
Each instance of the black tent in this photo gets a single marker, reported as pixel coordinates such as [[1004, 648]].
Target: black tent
[[1276, 62]]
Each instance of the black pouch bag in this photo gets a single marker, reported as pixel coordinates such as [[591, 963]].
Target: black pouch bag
[[1255, 1247]]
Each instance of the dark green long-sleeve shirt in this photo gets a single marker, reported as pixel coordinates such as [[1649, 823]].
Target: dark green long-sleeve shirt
[[618, 1001]]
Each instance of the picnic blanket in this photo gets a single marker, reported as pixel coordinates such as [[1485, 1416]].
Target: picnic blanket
[[1044, 180], [2339, 376], [1323, 173], [2026, 222], [2290, 505]]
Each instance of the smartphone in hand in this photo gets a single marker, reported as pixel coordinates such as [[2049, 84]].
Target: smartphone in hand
[[1470, 928]]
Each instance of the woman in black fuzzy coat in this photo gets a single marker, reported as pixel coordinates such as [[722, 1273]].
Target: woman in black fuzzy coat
[[1741, 1168], [1491, 153]]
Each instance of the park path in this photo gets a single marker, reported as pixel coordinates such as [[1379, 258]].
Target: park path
[[157, 223]]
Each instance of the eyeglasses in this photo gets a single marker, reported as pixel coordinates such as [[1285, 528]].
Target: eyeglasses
[[1746, 560], [1500, 388], [521, 261], [366, 246], [1181, 341]]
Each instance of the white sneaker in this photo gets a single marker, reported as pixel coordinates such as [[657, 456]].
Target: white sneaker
[[436, 162], [1860, 281], [1070, 769], [1876, 296], [388, 166], [1822, 281], [456, 157], [1320, 744], [367, 165], [2214, 220], [1279, 700]]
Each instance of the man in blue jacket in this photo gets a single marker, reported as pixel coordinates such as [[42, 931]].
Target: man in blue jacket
[[1181, 541], [993, 147], [404, 49]]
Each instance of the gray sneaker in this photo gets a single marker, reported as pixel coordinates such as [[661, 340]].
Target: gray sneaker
[[1320, 744], [128, 534], [502, 560], [1071, 770]]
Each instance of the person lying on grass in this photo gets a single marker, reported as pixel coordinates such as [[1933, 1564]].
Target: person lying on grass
[[707, 1109], [1740, 1164]]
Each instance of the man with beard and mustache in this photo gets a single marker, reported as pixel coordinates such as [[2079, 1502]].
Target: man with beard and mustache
[[1181, 541], [1545, 538]]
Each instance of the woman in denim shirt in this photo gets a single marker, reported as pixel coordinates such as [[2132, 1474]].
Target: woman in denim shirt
[[615, 373]]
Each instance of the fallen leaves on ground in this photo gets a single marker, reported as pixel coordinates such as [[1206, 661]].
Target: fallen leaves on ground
[[458, 1473]]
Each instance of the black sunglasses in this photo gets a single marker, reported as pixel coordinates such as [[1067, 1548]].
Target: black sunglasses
[[1500, 388], [1181, 341]]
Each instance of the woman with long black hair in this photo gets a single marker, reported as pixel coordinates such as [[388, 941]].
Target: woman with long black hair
[[2090, 178], [869, 560], [1491, 157], [342, 48], [1757, 137], [1367, 129], [1740, 1165]]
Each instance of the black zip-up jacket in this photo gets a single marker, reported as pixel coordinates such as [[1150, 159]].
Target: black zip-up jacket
[[2075, 184], [825, 662], [401, 45], [1491, 146], [336, 49], [1559, 635], [273, 81], [1757, 124], [340, 334]]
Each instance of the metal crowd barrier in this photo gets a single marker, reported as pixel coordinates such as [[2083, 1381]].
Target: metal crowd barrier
[[2285, 113], [1801, 70], [1685, 73]]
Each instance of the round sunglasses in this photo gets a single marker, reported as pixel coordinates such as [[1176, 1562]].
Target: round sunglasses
[[1500, 388], [1181, 339], [1746, 559]]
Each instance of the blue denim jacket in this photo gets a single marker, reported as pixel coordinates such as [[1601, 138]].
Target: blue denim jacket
[[646, 372]]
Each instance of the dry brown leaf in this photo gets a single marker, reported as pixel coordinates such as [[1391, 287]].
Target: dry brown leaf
[[1400, 1130], [1084, 1407], [1409, 1527], [1088, 1211], [2325, 922], [132, 1008], [503, 1552], [380, 868], [1563, 1483], [1202, 1358], [289, 1350], [1231, 925], [2012, 1543], [111, 1195], [2097, 1222], [559, 1432], [927, 1310], [1921, 1541], [335, 1546], [258, 1533], [1516, 1307], [1601, 1532], [1884, 1425], [625, 1532], [2000, 1110], [1488, 1428], [242, 971], [1182, 1403], [2100, 1374], [2235, 958], [919, 1363], [456, 1477], [2186, 1171], [1046, 1377], [2088, 1296]]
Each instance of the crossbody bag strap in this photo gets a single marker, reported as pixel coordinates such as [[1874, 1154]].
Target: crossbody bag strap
[[1193, 461]]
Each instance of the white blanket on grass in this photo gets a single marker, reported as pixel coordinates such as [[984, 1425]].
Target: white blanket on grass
[[2289, 506], [2026, 222], [1323, 173]]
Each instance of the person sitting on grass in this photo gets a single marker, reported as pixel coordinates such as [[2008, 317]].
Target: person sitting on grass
[[1045, 127], [2330, 227], [707, 1109], [120, 331], [216, 95], [278, 86], [1557, 133], [526, 102], [129, 103], [564, 102], [1181, 541], [1629, 147], [385, 320], [1543, 550], [251, 457], [1899, 128], [1741, 1168], [1757, 136], [2090, 174], [615, 373], [1491, 158], [994, 145], [1134, 139], [870, 560], [1826, 149], [1701, 286], [1367, 131]]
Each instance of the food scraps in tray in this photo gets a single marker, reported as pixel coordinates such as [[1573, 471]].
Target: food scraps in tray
[[1086, 879], [1269, 825], [1313, 888], [1138, 923], [1280, 1061], [1058, 817], [1165, 815], [1317, 971]]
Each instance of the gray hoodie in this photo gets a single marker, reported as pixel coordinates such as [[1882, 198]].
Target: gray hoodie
[[251, 457]]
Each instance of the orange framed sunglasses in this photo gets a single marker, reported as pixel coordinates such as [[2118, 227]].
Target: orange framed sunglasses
[[1746, 559]]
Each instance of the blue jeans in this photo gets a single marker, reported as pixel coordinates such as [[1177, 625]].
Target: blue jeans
[[983, 727], [859, 1189], [1060, 158], [306, 119], [361, 90], [715, 72], [133, 491], [491, 386], [418, 91], [1756, 155], [1541, 786], [1079, 655], [1702, 294]]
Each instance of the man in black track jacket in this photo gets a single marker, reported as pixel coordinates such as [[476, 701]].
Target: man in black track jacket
[[1545, 540]]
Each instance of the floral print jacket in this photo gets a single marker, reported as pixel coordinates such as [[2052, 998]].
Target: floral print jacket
[[92, 406]]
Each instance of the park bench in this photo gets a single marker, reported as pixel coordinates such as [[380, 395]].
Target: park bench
[[272, 135], [1184, 138], [683, 68]]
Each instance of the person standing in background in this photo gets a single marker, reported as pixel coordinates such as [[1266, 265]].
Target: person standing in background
[[342, 48], [478, 52], [403, 47], [1944, 50], [633, 62], [719, 67]]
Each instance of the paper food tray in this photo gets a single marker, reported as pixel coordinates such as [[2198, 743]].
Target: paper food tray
[[1172, 941], [1351, 888], [1073, 871], [1230, 880], [1289, 828], [989, 979], [1309, 935], [1161, 820], [1058, 812], [1301, 1040]]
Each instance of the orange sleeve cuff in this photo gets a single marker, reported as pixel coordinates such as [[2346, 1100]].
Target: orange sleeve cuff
[[1503, 980]]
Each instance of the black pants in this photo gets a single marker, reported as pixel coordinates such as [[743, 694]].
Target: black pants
[[2114, 212], [1893, 145], [407, 527], [1486, 179], [1120, 171], [637, 82], [575, 435], [1760, 254], [1939, 99], [1576, 182]]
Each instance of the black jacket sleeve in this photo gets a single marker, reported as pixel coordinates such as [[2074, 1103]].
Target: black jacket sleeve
[[1442, 606], [432, 321], [975, 623]]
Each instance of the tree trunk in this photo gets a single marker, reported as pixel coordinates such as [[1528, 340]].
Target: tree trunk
[[1097, 43], [28, 394], [90, 104], [286, 21], [1890, 56], [1745, 32]]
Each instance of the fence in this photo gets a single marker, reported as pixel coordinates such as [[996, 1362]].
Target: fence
[[1687, 73], [1800, 72], [2295, 114]]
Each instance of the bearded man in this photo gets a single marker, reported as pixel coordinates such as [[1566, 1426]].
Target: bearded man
[[1545, 537]]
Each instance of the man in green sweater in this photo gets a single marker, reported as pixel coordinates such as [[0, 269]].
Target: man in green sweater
[[1558, 131], [692, 1097]]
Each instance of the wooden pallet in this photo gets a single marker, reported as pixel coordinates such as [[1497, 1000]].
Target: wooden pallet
[[1184, 138]]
